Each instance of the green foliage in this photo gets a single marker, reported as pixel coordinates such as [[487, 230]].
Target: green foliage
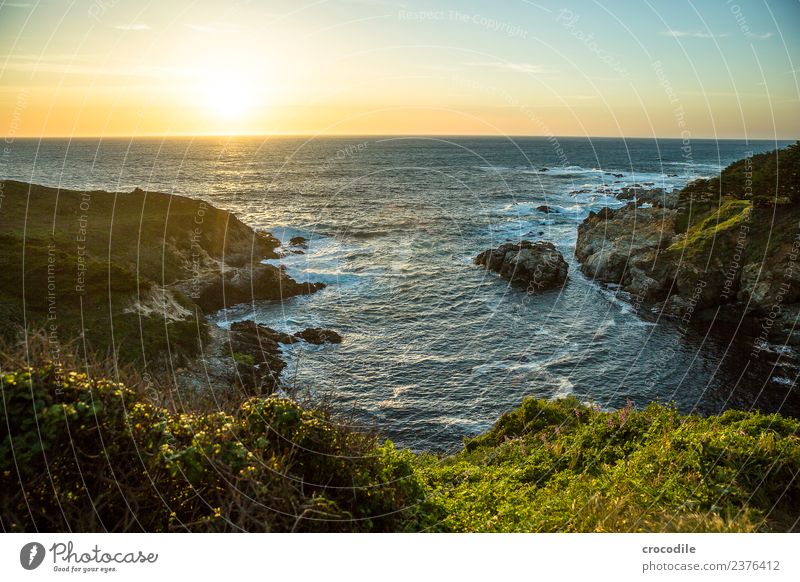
[[244, 358], [767, 179], [727, 218], [100, 309], [561, 466], [93, 455]]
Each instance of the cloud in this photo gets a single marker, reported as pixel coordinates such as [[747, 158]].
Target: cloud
[[389, 3], [133, 26], [693, 34], [84, 67], [16, 5], [754, 36], [213, 28], [529, 68]]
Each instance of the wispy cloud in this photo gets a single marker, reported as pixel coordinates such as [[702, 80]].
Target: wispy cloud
[[754, 36], [16, 5], [213, 28], [693, 34], [389, 3], [529, 68], [81, 67], [133, 26]]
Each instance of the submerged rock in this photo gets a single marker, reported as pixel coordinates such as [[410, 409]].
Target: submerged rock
[[318, 335], [538, 265], [298, 241]]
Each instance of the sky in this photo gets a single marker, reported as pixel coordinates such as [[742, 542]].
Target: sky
[[687, 69]]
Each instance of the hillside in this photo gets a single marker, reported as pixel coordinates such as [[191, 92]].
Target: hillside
[[87, 454], [131, 274]]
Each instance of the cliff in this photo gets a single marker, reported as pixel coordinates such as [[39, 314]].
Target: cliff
[[131, 274], [728, 252]]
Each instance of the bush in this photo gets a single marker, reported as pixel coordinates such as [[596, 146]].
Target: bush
[[82, 454]]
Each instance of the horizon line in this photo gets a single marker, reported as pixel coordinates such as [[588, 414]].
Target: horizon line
[[10, 139]]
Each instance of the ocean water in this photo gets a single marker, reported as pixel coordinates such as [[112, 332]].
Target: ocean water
[[435, 348]]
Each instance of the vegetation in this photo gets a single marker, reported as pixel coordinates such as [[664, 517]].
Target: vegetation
[[82, 452], [88, 454], [767, 179], [562, 466]]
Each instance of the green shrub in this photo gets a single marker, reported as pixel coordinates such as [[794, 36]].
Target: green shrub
[[91, 455], [85, 454]]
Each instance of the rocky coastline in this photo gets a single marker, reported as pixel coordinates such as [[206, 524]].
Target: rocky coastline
[[719, 250], [135, 274]]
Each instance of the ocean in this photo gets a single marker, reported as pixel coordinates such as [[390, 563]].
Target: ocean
[[435, 349]]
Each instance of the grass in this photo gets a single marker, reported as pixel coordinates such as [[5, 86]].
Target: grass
[[766, 179], [564, 467], [711, 225], [86, 454]]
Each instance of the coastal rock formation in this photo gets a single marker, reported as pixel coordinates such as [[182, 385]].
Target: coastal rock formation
[[622, 247], [222, 286], [657, 197], [730, 258], [538, 265], [318, 335], [257, 356], [152, 263], [298, 241]]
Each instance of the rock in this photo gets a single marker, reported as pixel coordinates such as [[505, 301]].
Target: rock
[[621, 246], [220, 289], [318, 335], [544, 169], [712, 254], [538, 265], [256, 355], [298, 241], [543, 208], [654, 196]]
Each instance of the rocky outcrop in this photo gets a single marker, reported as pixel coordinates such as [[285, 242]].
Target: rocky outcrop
[[257, 359], [657, 197], [318, 335], [731, 258], [537, 265], [622, 247], [248, 356], [228, 286], [151, 263]]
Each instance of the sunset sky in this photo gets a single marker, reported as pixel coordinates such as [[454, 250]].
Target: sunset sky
[[610, 68]]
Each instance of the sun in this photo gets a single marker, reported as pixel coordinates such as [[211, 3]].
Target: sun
[[230, 98], [227, 95]]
